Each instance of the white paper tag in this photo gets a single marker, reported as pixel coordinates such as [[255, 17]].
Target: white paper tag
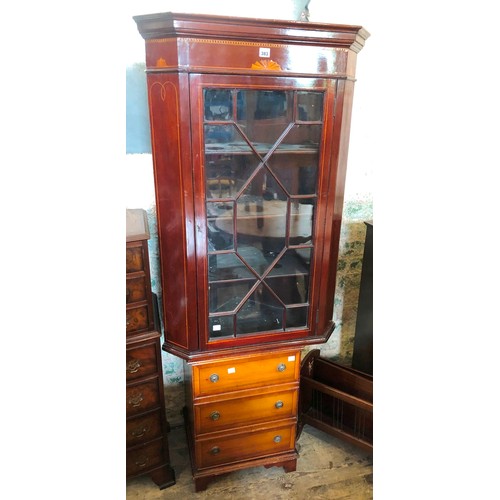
[[264, 52], [231, 370], [216, 328], [291, 358]]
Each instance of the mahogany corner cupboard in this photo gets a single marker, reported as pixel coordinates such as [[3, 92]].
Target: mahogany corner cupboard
[[250, 124]]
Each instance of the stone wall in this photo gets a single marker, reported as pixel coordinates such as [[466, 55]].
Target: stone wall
[[352, 244]]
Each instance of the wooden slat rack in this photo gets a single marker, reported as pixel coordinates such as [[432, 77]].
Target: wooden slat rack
[[336, 399]]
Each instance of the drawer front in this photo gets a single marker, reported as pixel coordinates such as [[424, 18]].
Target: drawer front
[[142, 429], [145, 458], [142, 397], [245, 446], [237, 412], [136, 289], [137, 319], [141, 361], [248, 372], [135, 258]]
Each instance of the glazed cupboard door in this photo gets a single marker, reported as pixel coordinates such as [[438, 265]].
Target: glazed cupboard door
[[260, 168]]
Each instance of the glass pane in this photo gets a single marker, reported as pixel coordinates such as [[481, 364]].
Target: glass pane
[[256, 258], [294, 262], [227, 266], [310, 106], [218, 104], [221, 326], [296, 317], [261, 312], [261, 216], [301, 221], [225, 296], [221, 139], [297, 172], [227, 173], [220, 226], [289, 278], [262, 206], [290, 289], [302, 138], [264, 115]]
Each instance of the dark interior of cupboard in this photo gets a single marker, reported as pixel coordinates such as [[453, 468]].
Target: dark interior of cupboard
[[261, 163]]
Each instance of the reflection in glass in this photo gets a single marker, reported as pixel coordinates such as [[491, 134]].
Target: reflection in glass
[[255, 258], [264, 115], [297, 172], [261, 312], [261, 221], [294, 261], [227, 173], [301, 221], [220, 226], [218, 104], [310, 106], [221, 326], [217, 138], [226, 296], [226, 266], [301, 138], [289, 278], [296, 317], [290, 289]]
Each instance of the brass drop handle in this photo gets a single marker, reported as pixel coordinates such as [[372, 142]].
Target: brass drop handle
[[136, 400], [140, 431], [142, 461], [278, 404], [215, 415], [281, 367], [277, 439], [133, 365], [215, 450], [214, 378]]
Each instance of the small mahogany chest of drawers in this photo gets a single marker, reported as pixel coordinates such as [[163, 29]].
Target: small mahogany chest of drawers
[[242, 412], [147, 427]]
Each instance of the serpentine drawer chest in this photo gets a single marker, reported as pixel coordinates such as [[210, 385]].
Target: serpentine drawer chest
[[249, 123], [147, 427]]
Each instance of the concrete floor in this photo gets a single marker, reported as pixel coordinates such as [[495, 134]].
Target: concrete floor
[[327, 469]]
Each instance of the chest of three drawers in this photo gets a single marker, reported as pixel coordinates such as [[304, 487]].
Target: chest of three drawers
[[242, 411]]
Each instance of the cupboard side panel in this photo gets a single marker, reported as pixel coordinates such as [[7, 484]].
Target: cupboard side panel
[[196, 99], [170, 136], [333, 219], [322, 264]]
